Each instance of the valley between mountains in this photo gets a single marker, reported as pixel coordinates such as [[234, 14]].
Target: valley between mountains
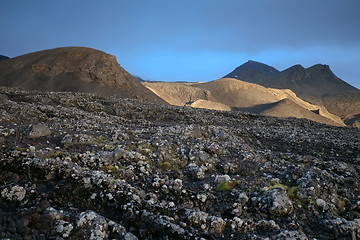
[[89, 152]]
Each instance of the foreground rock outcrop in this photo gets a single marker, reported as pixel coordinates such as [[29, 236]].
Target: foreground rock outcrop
[[82, 166]]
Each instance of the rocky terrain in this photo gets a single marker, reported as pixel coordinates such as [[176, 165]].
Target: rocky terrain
[[84, 166]]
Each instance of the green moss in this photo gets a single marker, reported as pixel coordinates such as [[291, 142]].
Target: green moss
[[122, 167], [131, 147], [109, 147], [101, 140], [145, 149], [21, 149], [279, 185], [292, 192], [340, 204], [148, 161], [57, 154], [226, 186], [108, 169], [144, 152], [316, 207], [304, 203], [164, 165]]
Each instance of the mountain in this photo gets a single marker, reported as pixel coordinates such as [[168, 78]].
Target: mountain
[[308, 83], [73, 69], [316, 84], [2, 57], [228, 94], [254, 72], [311, 83]]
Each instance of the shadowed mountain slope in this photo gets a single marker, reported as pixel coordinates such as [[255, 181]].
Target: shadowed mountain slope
[[254, 72], [316, 84], [2, 57], [311, 83], [73, 69]]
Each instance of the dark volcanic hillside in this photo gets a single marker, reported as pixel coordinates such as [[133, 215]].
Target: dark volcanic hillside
[[308, 83], [2, 57], [82, 166], [312, 83], [253, 72], [74, 69], [320, 85], [316, 84]]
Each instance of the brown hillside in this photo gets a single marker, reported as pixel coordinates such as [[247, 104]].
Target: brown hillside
[[73, 69], [238, 94], [233, 94], [179, 94], [288, 108]]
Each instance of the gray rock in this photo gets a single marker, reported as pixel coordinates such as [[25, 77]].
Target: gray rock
[[130, 236], [343, 228], [222, 178], [198, 219], [291, 235], [277, 202], [118, 153], [15, 193], [92, 225], [39, 130], [217, 225]]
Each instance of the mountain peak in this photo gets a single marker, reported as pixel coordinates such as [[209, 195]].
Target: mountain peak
[[322, 67], [252, 70], [251, 64], [296, 67], [254, 62]]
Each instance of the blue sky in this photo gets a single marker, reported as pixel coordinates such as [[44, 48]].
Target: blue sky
[[191, 40]]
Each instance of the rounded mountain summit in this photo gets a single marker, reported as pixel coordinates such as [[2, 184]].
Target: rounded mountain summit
[[73, 69]]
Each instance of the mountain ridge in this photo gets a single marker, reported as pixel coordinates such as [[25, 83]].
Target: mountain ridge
[[316, 84], [272, 74]]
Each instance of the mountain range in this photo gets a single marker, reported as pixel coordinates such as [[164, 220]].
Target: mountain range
[[316, 84], [311, 83], [315, 93]]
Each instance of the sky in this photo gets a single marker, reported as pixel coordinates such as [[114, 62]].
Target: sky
[[191, 40]]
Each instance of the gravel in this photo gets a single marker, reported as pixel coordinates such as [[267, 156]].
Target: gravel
[[82, 166]]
